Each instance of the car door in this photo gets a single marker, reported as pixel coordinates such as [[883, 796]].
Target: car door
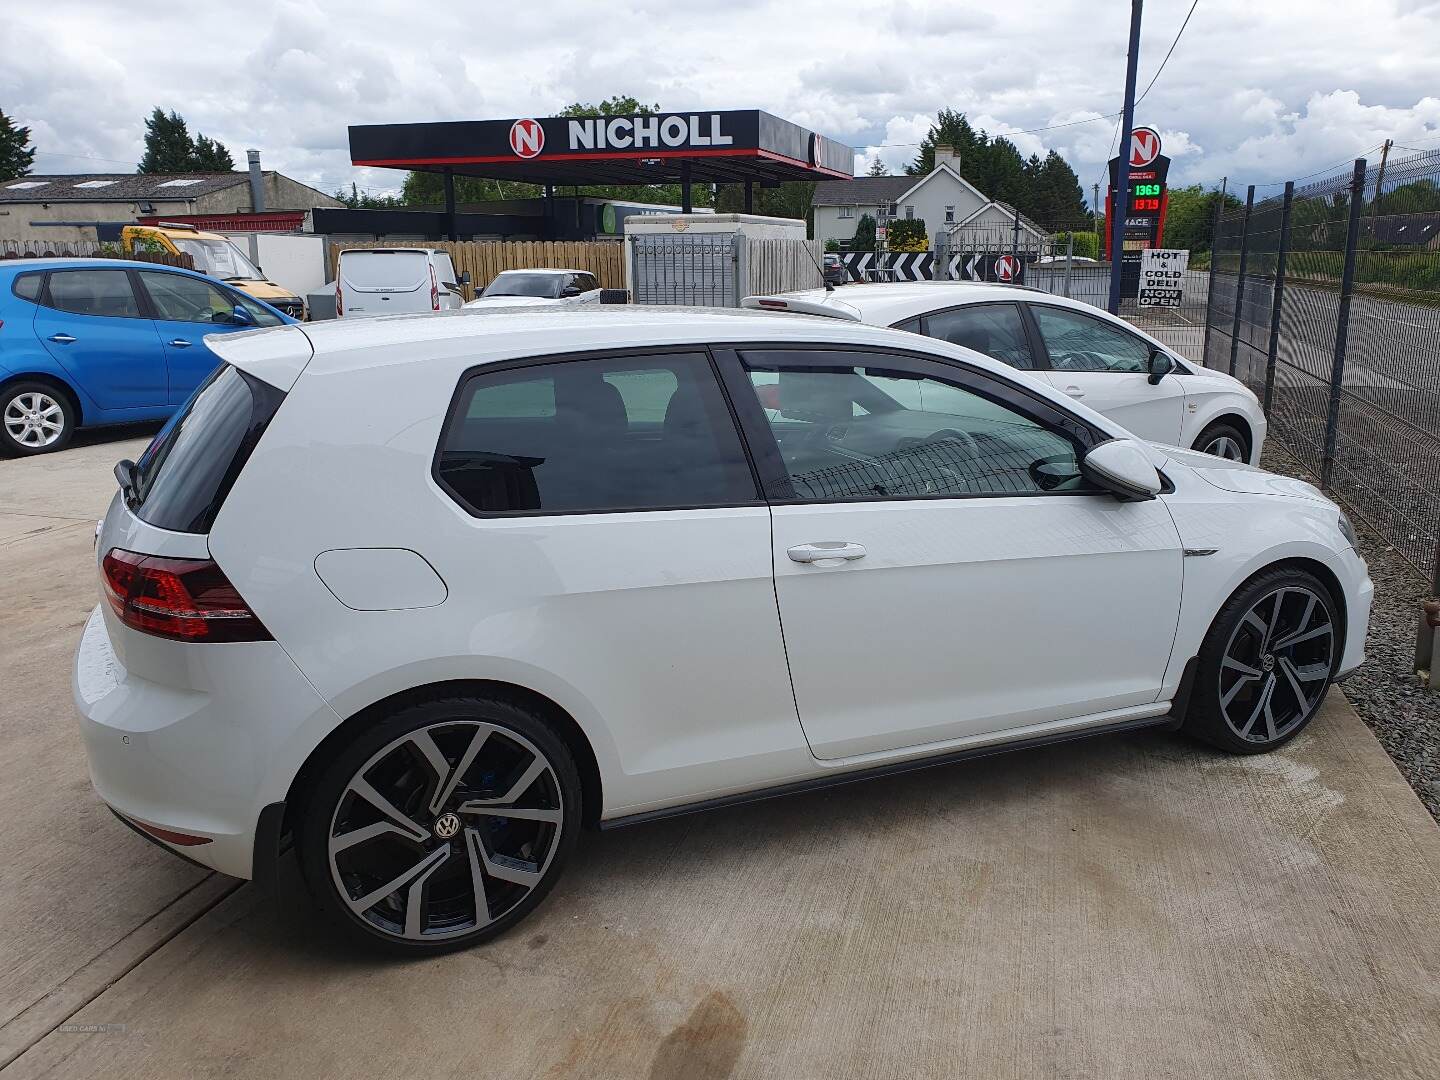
[[1107, 368], [93, 323], [942, 570], [186, 308], [612, 504]]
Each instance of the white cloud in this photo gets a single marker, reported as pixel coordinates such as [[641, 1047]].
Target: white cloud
[[1256, 92]]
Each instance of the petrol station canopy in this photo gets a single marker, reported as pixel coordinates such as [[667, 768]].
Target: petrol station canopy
[[741, 146]]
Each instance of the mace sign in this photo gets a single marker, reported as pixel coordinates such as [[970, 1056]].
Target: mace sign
[[1162, 277]]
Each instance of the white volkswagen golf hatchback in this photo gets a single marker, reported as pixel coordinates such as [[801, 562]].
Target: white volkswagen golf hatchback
[[428, 594], [1085, 353]]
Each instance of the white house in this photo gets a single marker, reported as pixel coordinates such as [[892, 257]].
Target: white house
[[942, 198]]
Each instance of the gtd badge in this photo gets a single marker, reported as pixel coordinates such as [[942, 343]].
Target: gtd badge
[[527, 138]]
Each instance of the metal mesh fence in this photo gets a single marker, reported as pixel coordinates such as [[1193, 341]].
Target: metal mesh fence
[[1326, 302]]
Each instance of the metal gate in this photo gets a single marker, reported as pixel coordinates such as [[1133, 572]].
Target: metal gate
[[697, 269]]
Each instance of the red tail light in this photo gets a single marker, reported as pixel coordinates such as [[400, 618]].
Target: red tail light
[[339, 302], [434, 292], [180, 599]]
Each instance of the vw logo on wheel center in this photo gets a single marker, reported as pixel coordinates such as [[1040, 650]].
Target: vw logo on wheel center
[[446, 826], [527, 138]]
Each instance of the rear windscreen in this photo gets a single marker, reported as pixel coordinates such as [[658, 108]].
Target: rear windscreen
[[185, 473], [385, 271]]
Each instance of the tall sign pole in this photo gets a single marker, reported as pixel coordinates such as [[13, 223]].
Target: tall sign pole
[[1120, 204]]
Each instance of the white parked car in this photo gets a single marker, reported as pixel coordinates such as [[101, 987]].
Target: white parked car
[[396, 281], [1083, 352], [535, 574], [539, 288]]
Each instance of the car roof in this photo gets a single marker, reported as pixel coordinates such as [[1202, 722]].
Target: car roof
[[886, 303], [473, 336], [540, 270], [69, 263]]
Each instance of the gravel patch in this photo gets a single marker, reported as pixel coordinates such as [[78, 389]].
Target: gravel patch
[[1384, 690]]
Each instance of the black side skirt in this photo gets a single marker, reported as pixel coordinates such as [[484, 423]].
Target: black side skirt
[[891, 769]]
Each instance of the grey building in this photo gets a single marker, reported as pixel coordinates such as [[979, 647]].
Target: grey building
[[60, 209]]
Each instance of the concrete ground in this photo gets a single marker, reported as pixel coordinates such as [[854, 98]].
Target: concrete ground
[[1122, 907]]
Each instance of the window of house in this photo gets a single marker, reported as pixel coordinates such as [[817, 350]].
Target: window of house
[[618, 433], [847, 211], [949, 213], [909, 211]]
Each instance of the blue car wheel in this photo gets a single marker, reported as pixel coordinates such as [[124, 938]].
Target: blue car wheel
[[35, 418]]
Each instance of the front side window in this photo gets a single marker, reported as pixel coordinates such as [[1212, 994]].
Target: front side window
[[993, 329], [1077, 342], [869, 432], [584, 436], [181, 298], [93, 292], [259, 314]]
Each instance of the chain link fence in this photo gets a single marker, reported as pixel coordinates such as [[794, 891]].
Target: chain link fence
[[1325, 300]]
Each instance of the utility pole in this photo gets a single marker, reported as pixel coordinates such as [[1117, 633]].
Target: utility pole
[[1122, 171], [1379, 181], [1095, 213]]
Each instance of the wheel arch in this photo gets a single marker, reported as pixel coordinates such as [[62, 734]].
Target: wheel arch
[[566, 727], [72, 393], [1226, 415]]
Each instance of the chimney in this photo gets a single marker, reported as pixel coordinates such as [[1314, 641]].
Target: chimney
[[948, 154], [257, 182]]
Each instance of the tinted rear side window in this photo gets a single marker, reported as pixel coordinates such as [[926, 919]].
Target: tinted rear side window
[[94, 292], [27, 286], [189, 468], [623, 433]]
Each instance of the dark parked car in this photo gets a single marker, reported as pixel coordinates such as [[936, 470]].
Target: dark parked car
[[835, 273]]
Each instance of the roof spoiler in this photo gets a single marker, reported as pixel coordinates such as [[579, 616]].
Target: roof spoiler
[[276, 355], [830, 308]]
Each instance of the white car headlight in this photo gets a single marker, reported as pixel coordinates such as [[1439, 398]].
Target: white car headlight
[[1348, 531]]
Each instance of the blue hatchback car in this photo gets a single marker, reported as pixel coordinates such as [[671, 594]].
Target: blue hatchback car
[[85, 342]]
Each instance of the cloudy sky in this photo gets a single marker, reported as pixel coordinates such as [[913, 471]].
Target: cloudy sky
[[1257, 91]]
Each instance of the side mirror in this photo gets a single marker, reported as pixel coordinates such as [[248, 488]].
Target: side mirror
[[1123, 468], [240, 316], [464, 277], [1160, 366], [570, 290]]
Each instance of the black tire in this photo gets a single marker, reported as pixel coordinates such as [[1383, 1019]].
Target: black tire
[[1225, 696], [394, 765], [1217, 434], [17, 411]]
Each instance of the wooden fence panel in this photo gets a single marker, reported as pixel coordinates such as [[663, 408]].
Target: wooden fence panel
[[486, 258], [776, 266]]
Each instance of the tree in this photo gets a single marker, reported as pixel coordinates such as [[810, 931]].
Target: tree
[[209, 156], [616, 106], [170, 149], [1190, 216], [864, 238], [355, 199], [167, 143], [908, 234], [877, 167], [16, 153]]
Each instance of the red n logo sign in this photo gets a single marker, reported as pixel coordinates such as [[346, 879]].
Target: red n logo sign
[[527, 138], [1144, 147]]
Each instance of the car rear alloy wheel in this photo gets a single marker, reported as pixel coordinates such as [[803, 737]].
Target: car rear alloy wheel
[[450, 830], [1266, 664], [35, 419]]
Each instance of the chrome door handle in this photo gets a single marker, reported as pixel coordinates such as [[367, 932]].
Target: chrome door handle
[[826, 549], [1074, 391], [179, 343], [62, 339]]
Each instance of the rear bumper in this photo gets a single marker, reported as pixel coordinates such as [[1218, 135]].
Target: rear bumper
[[205, 760]]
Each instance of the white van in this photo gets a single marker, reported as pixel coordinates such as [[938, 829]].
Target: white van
[[392, 281]]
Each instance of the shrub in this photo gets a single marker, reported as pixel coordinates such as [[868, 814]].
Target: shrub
[[908, 234]]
